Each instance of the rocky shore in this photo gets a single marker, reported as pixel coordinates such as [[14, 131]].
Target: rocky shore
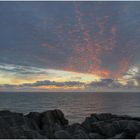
[[52, 124]]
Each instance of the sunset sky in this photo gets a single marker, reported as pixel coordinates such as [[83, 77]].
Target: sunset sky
[[70, 46]]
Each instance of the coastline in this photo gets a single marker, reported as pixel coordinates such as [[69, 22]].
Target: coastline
[[52, 124]]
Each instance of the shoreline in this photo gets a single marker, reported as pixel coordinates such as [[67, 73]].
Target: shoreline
[[52, 124]]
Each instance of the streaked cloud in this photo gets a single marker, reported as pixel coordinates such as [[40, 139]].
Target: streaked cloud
[[91, 45]]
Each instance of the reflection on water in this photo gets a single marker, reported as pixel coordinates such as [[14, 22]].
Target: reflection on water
[[76, 106]]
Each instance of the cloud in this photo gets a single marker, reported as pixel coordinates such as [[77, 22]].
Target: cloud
[[133, 77], [69, 37], [53, 83], [104, 83], [22, 70], [129, 81], [45, 83]]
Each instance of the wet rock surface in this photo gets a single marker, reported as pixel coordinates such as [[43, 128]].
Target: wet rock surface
[[52, 124]]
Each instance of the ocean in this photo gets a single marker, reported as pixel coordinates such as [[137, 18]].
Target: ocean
[[75, 106]]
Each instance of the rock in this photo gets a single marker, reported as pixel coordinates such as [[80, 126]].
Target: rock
[[95, 136], [122, 135], [133, 128], [125, 117], [54, 116], [3, 123], [87, 123], [80, 134], [137, 136], [32, 124], [72, 128], [8, 113], [34, 120], [13, 119], [18, 133], [52, 121], [109, 129], [103, 116], [49, 130], [5, 133], [34, 116], [52, 124], [62, 134]]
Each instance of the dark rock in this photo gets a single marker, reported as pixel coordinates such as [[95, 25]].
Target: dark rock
[[133, 128], [88, 122], [125, 117], [135, 118], [103, 116], [62, 134], [80, 134], [54, 116], [52, 124], [52, 121], [5, 133], [49, 130], [74, 127], [13, 119], [137, 136], [18, 133], [95, 136], [109, 129], [34, 121], [35, 116], [3, 123], [8, 113], [122, 135], [32, 124]]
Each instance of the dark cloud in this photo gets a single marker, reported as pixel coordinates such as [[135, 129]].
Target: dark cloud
[[53, 83], [100, 38], [46, 34], [102, 84], [105, 83], [46, 83]]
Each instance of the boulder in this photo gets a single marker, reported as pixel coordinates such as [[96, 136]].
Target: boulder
[[73, 127], [53, 116], [109, 129], [52, 124], [34, 116], [95, 136], [88, 122], [137, 136], [52, 121], [5, 133], [103, 116], [122, 135], [62, 134], [80, 134], [49, 130], [13, 119], [19, 132], [34, 121], [8, 113], [133, 128]]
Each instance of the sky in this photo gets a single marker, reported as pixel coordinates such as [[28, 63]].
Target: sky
[[70, 46]]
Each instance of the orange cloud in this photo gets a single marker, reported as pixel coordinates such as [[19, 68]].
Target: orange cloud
[[88, 51]]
